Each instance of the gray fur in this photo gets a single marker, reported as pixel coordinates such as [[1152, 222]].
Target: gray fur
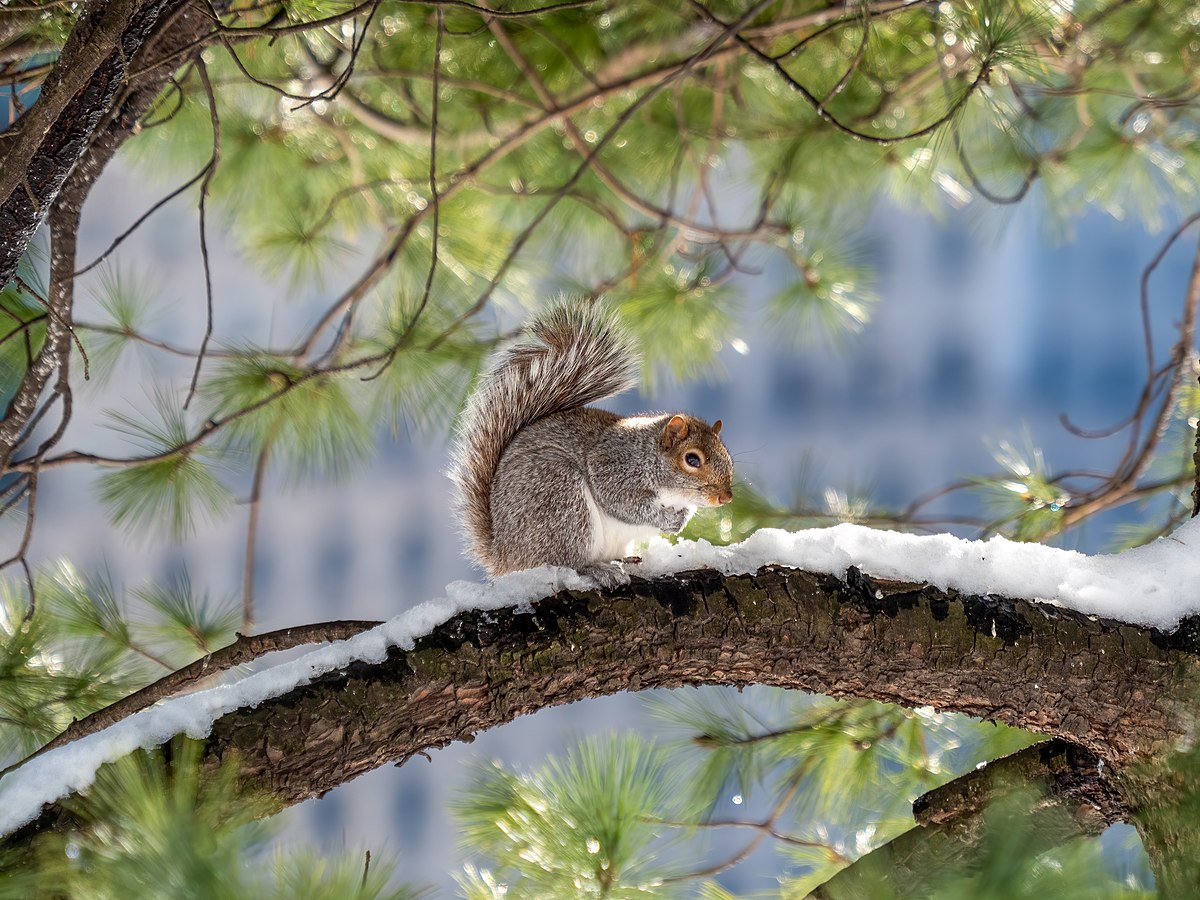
[[529, 451]]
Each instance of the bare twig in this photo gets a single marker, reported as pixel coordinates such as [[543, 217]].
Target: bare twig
[[824, 114], [434, 201], [657, 78], [202, 71], [255, 508], [1125, 480], [120, 239], [956, 133], [602, 141], [164, 346], [764, 829]]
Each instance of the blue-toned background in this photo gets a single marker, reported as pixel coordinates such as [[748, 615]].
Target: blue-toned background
[[990, 327]]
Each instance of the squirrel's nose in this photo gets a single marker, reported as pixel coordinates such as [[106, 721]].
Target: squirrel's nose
[[724, 496]]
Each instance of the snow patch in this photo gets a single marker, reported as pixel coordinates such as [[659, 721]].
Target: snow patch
[[1152, 585]]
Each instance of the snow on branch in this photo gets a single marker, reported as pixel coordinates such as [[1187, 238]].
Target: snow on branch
[[1152, 586]]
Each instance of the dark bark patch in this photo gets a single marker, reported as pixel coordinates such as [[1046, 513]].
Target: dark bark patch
[[882, 596], [939, 608], [1185, 638], [997, 616]]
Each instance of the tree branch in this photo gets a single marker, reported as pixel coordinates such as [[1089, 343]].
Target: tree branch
[[75, 100], [73, 152], [1068, 798], [1114, 689], [245, 649]]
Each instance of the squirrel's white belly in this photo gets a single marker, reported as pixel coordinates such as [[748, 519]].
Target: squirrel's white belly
[[611, 537]]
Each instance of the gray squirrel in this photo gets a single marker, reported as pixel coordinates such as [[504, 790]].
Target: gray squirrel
[[544, 479]]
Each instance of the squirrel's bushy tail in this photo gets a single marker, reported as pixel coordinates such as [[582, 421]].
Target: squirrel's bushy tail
[[571, 355]]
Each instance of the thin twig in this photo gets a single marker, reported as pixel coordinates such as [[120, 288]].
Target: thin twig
[[120, 239], [255, 507], [785, 798], [956, 133], [1125, 480], [825, 115], [434, 200], [696, 59], [202, 71]]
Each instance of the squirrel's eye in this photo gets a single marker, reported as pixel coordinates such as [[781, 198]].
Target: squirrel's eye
[[693, 460]]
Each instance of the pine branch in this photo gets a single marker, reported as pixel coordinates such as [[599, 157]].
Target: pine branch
[[75, 100], [78, 143], [1110, 688], [1068, 797], [245, 649]]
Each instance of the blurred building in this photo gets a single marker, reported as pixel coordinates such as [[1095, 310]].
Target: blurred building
[[986, 328]]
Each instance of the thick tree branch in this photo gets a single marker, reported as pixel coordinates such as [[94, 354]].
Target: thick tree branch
[[95, 38], [19, 415], [74, 151], [1111, 688], [1067, 797], [1068, 774], [75, 99]]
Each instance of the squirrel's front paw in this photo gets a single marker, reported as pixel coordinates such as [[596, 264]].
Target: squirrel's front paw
[[607, 575], [676, 519]]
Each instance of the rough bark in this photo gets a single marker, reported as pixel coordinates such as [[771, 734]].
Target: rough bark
[[1111, 688], [1068, 774], [1196, 476], [53, 163], [1057, 789], [54, 134]]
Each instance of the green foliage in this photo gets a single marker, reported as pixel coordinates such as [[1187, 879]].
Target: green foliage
[[293, 246], [746, 513], [574, 149], [50, 672], [1020, 858], [372, 167], [576, 827], [1166, 805], [125, 299], [171, 491], [186, 623], [627, 152], [1027, 495], [680, 320], [45, 31], [174, 487], [838, 777], [84, 648], [811, 507], [620, 816], [22, 321], [153, 826], [312, 421], [426, 383], [342, 877], [831, 296]]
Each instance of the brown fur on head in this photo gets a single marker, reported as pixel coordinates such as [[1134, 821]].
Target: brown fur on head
[[700, 457]]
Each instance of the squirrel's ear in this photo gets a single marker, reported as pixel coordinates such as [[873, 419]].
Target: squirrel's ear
[[717, 427], [674, 431]]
